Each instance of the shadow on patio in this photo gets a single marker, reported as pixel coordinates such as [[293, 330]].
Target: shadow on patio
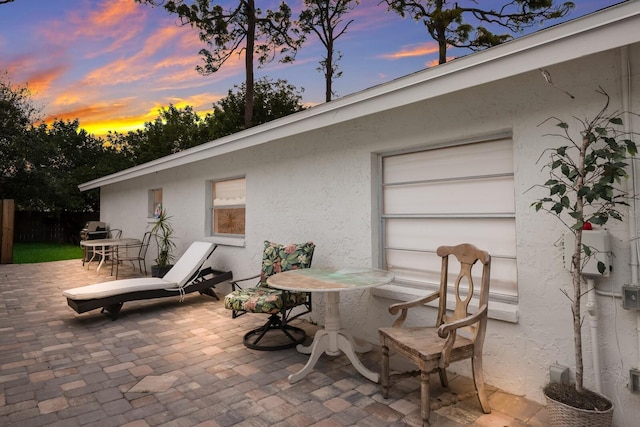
[[171, 363]]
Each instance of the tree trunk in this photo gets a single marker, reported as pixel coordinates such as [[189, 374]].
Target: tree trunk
[[329, 73], [248, 61], [576, 260]]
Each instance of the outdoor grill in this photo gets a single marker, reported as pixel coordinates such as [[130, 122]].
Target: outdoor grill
[[92, 230]]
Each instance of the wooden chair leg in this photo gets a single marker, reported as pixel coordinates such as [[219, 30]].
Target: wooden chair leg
[[425, 406], [478, 379], [384, 374], [443, 377]]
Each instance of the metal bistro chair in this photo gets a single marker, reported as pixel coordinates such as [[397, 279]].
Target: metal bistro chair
[[274, 302], [132, 253], [454, 337]]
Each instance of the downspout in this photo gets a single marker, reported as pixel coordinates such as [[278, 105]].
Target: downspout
[[592, 309], [631, 182], [632, 189]]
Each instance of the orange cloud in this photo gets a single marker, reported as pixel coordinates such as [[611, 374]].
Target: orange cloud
[[412, 51], [41, 81]]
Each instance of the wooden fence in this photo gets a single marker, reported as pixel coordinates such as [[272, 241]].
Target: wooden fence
[[64, 227]]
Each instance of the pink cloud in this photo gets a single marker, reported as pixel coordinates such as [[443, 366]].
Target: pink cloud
[[412, 51]]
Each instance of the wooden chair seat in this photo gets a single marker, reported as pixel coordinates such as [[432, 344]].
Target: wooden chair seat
[[425, 344]]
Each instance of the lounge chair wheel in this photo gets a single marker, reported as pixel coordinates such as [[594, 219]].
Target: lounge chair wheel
[[283, 336]]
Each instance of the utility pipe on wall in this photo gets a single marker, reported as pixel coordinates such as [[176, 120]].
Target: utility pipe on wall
[[592, 309], [625, 66]]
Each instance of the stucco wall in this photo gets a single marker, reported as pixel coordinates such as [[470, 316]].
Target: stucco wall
[[320, 186]]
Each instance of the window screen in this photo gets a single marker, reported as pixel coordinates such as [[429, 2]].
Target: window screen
[[447, 196]]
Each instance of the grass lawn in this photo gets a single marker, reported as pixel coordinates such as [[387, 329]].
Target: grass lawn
[[25, 253]]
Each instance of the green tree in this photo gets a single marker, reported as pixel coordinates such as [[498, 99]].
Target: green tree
[[17, 113], [448, 23], [175, 129], [272, 101], [229, 30], [325, 19], [57, 158]]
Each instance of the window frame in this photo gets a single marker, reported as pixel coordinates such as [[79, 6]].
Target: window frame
[[402, 289], [223, 238], [151, 202]]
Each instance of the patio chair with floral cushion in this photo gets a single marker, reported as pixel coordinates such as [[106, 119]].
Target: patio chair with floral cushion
[[276, 333]]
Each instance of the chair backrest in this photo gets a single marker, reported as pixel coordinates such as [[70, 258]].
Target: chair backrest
[[146, 239], [277, 258], [189, 263], [464, 287], [115, 233]]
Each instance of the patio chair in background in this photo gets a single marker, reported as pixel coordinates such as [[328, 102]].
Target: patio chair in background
[[454, 337], [274, 302], [186, 276], [132, 253]]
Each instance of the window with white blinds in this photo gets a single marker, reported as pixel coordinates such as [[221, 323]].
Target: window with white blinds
[[446, 196]]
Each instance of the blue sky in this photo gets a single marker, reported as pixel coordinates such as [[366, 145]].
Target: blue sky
[[114, 63]]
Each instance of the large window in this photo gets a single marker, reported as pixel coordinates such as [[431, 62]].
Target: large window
[[228, 207], [446, 196]]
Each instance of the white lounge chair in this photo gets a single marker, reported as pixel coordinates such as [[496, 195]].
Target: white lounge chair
[[186, 276]]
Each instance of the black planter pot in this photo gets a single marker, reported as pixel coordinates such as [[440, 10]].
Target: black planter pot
[[157, 271]]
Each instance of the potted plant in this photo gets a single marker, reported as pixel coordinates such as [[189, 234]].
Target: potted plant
[[162, 231], [584, 183]]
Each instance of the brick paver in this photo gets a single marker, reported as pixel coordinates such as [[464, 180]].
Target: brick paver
[[171, 363]]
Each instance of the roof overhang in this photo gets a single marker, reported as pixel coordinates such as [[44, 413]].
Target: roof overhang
[[608, 29]]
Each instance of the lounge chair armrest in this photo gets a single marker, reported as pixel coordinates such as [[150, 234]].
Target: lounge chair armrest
[[445, 329], [235, 285], [405, 306]]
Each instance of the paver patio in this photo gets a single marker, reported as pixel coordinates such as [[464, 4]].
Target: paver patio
[[171, 363]]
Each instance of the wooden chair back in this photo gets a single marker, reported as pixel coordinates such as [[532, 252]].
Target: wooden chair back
[[464, 287]]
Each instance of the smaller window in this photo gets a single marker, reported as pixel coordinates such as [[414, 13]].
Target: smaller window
[[155, 203], [228, 210]]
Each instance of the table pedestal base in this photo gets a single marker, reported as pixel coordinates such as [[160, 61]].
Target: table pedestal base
[[332, 341]]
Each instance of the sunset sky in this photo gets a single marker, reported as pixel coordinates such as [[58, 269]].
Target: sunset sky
[[114, 63]]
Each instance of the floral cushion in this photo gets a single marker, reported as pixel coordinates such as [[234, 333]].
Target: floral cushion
[[276, 258]]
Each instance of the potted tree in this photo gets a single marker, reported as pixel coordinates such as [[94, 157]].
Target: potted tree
[[162, 231], [584, 188]]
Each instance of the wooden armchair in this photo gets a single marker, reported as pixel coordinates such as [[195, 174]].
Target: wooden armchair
[[455, 337]]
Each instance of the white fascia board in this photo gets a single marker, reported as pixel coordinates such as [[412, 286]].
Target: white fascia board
[[611, 28]]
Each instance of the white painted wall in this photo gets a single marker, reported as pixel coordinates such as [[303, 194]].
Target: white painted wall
[[320, 186]]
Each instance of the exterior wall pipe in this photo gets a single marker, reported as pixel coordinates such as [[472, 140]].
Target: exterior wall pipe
[[625, 67], [626, 108], [592, 309]]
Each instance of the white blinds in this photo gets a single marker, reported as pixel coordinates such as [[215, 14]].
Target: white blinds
[[447, 196]]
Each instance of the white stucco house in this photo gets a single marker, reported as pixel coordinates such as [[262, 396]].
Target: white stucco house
[[444, 156]]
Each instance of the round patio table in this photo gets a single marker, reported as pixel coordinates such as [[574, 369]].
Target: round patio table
[[332, 339], [100, 247]]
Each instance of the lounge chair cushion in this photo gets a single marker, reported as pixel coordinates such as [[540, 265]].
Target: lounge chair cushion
[[117, 287], [179, 276], [262, 299], [189, 263], [276, 258]]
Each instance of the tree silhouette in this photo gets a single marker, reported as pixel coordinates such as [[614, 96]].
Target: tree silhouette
[[324, 18], [240, 27], [447, 20]]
